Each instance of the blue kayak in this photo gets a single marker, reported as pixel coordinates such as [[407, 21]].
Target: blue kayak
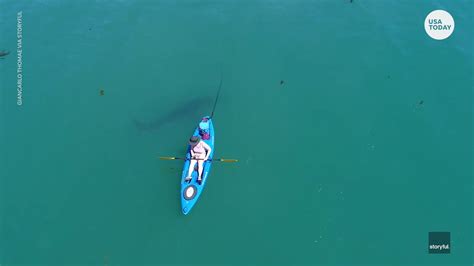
[[191, 190]]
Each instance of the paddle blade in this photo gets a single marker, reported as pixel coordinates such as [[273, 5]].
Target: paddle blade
[[167, 158], [228, 160]]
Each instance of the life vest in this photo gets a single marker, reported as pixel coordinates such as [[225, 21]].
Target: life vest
[[199, 148]]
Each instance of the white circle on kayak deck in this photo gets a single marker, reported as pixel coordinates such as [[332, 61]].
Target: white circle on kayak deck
[[189, 192]]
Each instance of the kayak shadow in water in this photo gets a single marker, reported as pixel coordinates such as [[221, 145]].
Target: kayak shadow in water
[[190, 108]]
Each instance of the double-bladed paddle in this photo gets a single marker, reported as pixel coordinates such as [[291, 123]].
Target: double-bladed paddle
[[213, 160]]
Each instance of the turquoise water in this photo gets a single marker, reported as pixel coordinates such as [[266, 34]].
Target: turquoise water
[[339, 165]]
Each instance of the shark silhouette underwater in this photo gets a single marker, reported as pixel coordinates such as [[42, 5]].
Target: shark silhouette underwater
[[3, 53], [189, 108]]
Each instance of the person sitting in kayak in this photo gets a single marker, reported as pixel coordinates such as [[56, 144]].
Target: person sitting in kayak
[[199, 152]]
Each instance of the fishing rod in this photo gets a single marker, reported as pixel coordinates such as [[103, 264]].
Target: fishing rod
[[217, 96]]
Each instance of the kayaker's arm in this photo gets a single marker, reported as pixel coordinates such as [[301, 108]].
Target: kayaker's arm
[[208, 151]]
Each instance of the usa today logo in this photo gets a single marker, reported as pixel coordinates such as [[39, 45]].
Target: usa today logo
[[439, 24]]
